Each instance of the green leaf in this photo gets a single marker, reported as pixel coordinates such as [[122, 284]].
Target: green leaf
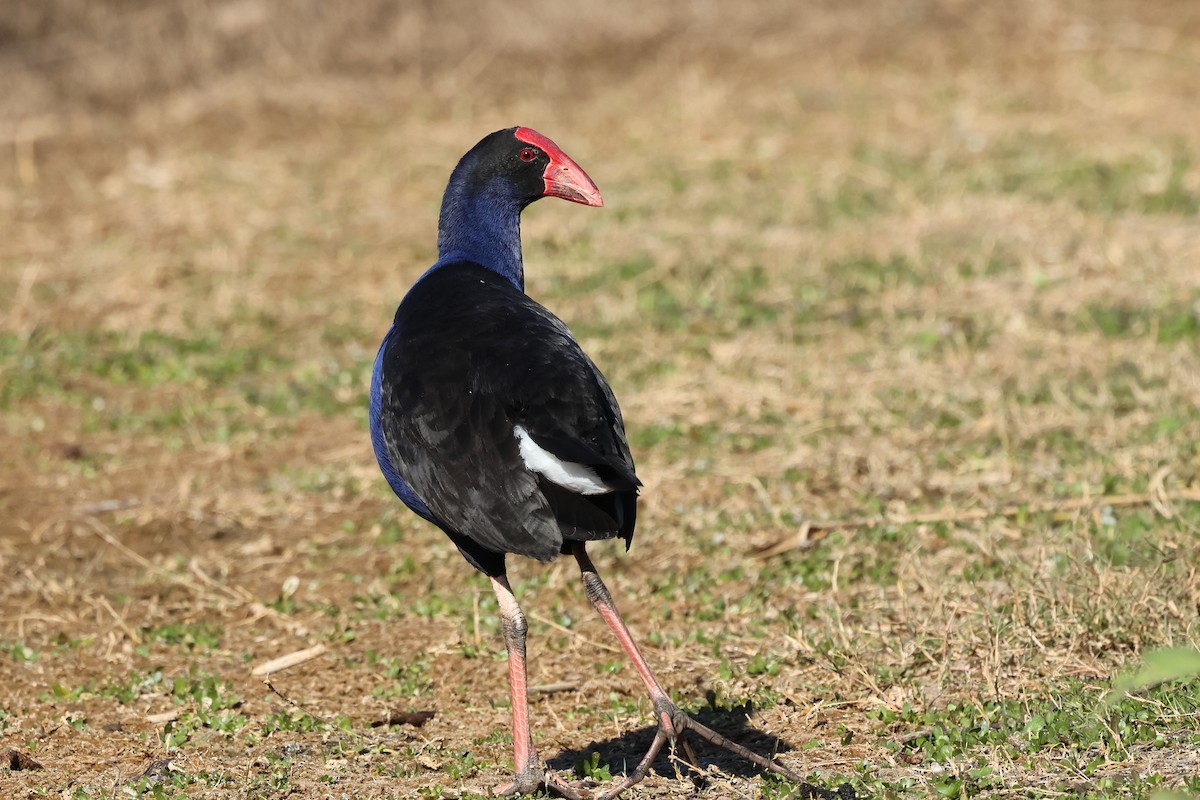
[[1158, 667]]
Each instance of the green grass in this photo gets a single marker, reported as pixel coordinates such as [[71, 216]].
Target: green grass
[[87, 370], [1170, 324], [988, 743], [1104, 185], [198, 637]]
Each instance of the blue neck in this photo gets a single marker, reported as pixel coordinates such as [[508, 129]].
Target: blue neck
[[484, 226]]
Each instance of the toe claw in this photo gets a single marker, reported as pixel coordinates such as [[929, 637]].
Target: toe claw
[[533, 778]]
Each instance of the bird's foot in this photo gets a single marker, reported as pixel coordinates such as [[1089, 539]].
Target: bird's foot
[[673, 724], [534, 777]]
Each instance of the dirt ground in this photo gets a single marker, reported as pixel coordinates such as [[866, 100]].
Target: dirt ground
[[900, 299]]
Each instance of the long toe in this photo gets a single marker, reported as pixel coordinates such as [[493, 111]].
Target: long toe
[[673, 725], [533, 779], [527, 781], [572, 790]]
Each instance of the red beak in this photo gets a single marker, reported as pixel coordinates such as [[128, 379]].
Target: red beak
[[564, 178]]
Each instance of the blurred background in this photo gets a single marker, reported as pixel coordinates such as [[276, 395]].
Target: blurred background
[[932, 190], [900, 299]]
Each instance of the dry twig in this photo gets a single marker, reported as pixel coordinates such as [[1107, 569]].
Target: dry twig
[[288, 661]]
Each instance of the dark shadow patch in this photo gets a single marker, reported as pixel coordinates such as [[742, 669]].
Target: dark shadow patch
[[17, 761], [623, 753]]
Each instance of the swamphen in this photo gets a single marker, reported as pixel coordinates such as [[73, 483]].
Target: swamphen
[[489, 421]]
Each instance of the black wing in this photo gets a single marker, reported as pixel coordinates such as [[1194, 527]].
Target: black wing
[[470, 357]]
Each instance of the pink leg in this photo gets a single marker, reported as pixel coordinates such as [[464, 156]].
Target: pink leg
[[601, 600], [672, 723], [530, 776], [515, 628]]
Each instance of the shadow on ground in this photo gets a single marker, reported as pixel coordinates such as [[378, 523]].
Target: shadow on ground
[[622, 753]]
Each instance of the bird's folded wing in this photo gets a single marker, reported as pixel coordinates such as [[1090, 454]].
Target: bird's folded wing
[[470, 360], [459, 456]]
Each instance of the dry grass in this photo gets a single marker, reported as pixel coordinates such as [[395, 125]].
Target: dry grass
[[928, 268]]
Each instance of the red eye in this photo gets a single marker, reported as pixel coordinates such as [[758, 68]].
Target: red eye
[[527, 154]]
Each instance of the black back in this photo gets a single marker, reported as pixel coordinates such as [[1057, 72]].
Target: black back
[[468, 358]]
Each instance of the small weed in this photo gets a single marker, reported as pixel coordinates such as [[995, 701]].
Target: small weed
[[461, 765], [763, 664], [591, 767], [1158, 667], [211, 704], [60, 692], [408, 679], [127, 692], [194, 637], [287, 721], [19, 651]]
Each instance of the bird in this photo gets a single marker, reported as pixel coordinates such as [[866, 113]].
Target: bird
[[489, 420]]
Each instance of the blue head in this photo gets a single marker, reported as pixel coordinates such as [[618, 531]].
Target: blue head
[[492, 184]]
